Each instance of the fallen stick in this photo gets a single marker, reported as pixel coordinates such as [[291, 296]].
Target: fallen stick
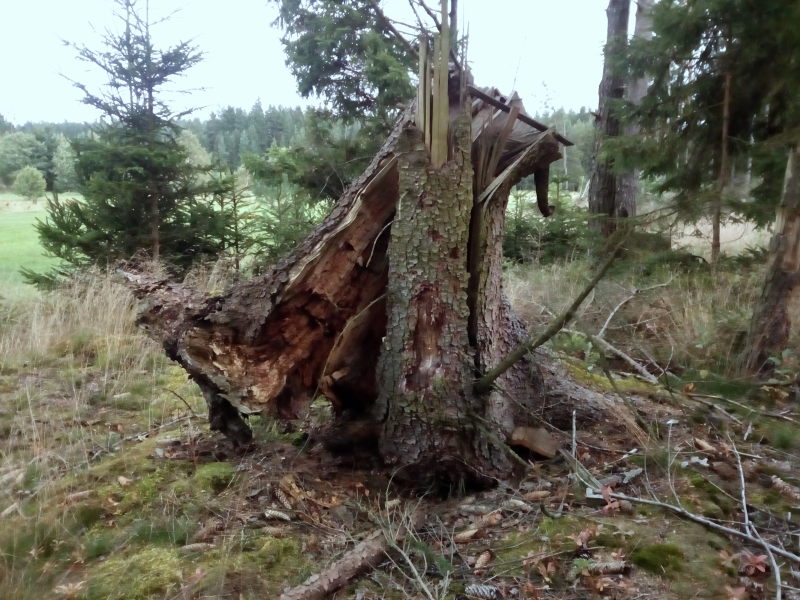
[[708, 523], [366, 555], [484, 384]]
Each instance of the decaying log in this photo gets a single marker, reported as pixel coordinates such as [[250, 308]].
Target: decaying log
[[366, 555]]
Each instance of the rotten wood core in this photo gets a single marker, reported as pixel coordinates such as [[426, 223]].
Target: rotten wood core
[[316, 323]]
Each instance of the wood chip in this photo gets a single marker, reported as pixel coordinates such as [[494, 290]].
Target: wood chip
[[537, 495], [536, 439], [703, 445]]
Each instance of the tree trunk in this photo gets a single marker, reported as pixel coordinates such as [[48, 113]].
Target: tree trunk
[[724, 172], [426, 368], [771, 325], [628, 182], [603, 201]]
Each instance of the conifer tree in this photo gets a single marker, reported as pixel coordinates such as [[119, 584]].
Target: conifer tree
[[140, 191], [722, 75]]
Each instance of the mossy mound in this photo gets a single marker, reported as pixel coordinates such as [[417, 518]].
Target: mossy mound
[[214, 477], [150, 573], [660, 559]]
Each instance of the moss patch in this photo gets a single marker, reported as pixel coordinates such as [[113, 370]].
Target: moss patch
[[147, 574], [214, 476], [661, 559]]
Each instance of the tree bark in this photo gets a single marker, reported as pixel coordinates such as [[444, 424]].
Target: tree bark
[[427, 365], [628, 182], [603, 202], [770, 326]]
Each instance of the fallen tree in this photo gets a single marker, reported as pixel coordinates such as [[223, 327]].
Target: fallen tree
[[393, 307]]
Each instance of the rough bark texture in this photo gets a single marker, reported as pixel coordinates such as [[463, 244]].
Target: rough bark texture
[[771, 325], [603, 200], [628, 182], [425, 372]]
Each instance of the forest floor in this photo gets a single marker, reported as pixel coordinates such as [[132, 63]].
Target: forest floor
[[112, 487]]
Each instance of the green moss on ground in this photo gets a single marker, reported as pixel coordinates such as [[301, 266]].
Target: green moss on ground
[[661, 559], [147, 573], [214, 477]]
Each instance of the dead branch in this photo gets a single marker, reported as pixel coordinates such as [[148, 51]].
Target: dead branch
[[484, 384], [706, 523], [365, 556], [748, 524], [631, 295], [397, 35], [644, 373], [751, 409]]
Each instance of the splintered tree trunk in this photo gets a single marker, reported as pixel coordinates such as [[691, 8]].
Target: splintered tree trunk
[[771, 325], [391, 309], [603, 185]]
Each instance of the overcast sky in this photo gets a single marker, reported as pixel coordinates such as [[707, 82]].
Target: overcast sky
[[549, 51]]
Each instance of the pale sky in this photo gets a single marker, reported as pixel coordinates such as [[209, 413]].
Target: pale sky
[[549, 51]]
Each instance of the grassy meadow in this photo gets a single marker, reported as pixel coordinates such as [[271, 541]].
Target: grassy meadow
[[19, 243], [112, 487]]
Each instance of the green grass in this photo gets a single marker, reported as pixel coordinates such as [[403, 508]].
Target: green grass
[[19, 243]]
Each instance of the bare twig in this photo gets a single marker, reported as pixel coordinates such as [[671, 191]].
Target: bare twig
[[366, 555], [644, 373], [182, 399], [749, 526], [484, 384], [750, 409], [707, 523], [390, 26], [625, 300]]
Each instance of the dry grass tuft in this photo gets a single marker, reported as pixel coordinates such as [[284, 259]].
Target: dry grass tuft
[[696, 321]]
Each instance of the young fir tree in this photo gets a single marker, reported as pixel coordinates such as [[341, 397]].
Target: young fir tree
[[29, 183], [141, 194]]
